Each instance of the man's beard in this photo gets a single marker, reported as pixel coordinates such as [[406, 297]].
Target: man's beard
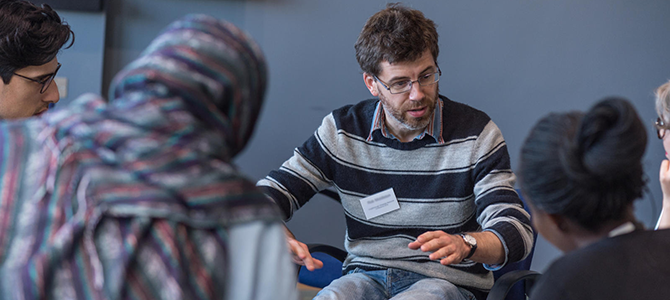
[[407, 121]]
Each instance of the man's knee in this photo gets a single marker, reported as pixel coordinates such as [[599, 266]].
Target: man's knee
[[351, 286], [434, 288]]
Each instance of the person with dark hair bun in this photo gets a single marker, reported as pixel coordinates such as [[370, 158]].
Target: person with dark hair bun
[[30, 38], [581, 173]]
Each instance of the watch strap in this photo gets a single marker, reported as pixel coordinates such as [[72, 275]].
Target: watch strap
[[473, 247]]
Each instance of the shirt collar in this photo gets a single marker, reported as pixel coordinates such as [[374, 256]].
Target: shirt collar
[[434, 128], [624, 228]]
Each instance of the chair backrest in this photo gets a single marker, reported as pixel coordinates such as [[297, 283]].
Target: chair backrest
[[332, 258], [519, 289]]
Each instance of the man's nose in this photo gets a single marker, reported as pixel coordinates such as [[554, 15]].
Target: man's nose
[[416, 92], [51, 94]]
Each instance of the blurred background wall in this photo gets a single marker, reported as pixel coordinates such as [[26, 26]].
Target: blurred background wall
[[516, 60]]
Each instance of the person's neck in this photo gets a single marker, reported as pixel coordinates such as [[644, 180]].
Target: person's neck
[[587, 238], [400, 131]]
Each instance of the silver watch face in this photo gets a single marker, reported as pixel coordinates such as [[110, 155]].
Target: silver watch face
[[469, 239]]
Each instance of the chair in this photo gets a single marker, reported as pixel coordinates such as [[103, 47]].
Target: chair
[[512, 282]]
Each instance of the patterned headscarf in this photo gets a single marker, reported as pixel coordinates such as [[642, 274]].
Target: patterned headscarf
[[95, 194], [223, 85]]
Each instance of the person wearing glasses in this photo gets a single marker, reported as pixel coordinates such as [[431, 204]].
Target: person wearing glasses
[[30, 38], [425, 182], [663, 111], [581, 173]]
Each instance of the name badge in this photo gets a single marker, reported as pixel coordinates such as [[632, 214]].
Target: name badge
[[379, 204]]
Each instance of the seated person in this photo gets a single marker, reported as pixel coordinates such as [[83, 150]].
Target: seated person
[[581, 173], [662, 127], [30, 38], [440, 167], [138, 199]]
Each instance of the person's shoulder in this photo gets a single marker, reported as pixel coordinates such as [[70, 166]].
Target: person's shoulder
[[364, 108], [619, 266], [355, 118], [460, 120], [457, 109], [564, 278], [629, 243]]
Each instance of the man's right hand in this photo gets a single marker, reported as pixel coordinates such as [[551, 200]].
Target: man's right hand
[[301, 255]]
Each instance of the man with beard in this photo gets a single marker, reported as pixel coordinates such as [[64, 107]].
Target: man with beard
[[30, 38], [425, 182]]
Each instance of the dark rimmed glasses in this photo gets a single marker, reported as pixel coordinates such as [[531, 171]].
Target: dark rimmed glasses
[[403, 86], [660, 128], [44, 82]]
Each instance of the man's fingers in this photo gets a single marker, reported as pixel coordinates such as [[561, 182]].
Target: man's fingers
[[444, 251], [451, 259], [427, 236], [302, 256], [317, 264], [444, 247], [299, 249], [433, 245], [423, 239], [312, 263]]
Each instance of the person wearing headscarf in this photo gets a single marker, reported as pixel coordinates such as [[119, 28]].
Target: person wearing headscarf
[[138, 199]]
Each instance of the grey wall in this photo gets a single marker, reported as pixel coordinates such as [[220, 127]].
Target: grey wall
[[82, 63], [516, 60]]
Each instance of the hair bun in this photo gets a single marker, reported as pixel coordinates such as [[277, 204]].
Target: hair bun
[[586, 166], [610, 142]]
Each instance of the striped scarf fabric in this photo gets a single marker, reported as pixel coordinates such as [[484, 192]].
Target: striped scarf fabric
[[133, 199]]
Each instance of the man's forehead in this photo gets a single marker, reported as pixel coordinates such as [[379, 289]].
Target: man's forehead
[[44, 69], [420, 64]]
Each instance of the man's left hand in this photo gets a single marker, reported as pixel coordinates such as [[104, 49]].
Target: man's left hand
[[450, 248]]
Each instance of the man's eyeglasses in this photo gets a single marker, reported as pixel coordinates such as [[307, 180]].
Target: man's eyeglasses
[[402, 86], [660, 128], [44, 82]]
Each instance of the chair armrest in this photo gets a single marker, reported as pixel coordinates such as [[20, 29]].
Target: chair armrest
[[502, 286]]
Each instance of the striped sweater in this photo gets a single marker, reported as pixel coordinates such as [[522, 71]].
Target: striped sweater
[[464, 184]]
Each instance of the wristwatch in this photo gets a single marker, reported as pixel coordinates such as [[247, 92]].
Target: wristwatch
[[471, 241]]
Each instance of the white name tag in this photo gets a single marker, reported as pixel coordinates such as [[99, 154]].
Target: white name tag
[[379, 204]]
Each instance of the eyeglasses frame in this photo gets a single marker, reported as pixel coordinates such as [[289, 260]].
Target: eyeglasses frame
[[439, 74], [660, 125], [46, 82]]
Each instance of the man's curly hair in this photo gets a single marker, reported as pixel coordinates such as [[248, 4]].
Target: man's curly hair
[[30, 35]]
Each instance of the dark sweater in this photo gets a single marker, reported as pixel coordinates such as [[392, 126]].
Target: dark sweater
[[630, 266]]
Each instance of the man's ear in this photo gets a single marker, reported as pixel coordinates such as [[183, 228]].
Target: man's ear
[[370, 84]]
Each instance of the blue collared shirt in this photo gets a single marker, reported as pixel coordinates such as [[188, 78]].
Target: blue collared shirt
[[434, 128]]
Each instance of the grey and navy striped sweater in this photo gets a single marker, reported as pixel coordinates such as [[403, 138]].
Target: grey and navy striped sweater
[[463, 185]]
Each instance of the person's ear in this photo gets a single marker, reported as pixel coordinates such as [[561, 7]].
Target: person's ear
[[370, 84], [559, 222]]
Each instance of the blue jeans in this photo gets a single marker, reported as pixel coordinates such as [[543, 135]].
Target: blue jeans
[[393, 284]]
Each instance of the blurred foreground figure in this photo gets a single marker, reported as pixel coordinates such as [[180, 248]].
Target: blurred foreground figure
[[138, 199]]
